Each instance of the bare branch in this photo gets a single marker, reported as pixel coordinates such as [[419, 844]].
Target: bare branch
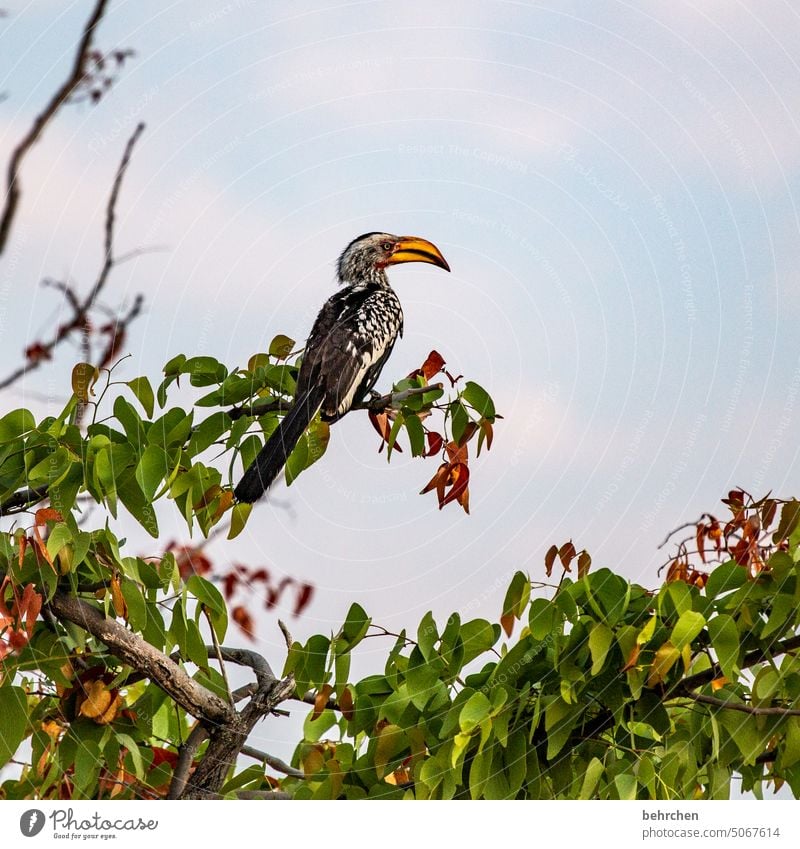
[[271, 760], [22, 500], [188, 750], [682, 688], [41, 121]]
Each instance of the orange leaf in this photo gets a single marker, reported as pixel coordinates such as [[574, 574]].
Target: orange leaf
[[456, 453], [719, 683], [433, 365], [701, 536], [346, 703], [321, 700], [438, 482], [633, 657], [459, 477], [117, 599], [507, 623], [584, 563], [41, 517], [23, 544], [98, 700], [29, 608]]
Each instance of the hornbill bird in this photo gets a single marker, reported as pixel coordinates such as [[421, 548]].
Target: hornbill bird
[[349, 343]]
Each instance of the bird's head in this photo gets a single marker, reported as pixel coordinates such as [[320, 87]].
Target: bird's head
[[368, 256]]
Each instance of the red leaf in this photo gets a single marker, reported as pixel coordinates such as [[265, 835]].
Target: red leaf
[[243, 619], [303, 598], [507, 623], [550, 559], [435, 443], [566, 555]]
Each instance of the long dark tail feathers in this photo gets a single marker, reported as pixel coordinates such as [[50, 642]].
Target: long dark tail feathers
[[272, 457]]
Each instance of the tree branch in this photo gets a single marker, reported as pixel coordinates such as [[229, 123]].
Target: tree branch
[[727, 704], [392, 399], [750, 659], [271, 760], [74, 79], [143, 657]]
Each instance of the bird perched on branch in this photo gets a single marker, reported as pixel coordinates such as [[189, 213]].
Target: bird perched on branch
[[349, 343]]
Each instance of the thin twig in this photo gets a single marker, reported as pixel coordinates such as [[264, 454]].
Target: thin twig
[[271, 760], [76, 76], [392, 399], [261, 794], [79, 320], [218, 653]]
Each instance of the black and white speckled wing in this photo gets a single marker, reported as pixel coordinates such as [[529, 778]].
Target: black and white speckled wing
[[349, 344]]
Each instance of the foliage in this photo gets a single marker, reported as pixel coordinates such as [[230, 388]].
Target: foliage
[[609, 691], [97, 725]]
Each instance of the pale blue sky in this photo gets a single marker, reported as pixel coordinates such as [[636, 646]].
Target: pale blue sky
[[614, 185]]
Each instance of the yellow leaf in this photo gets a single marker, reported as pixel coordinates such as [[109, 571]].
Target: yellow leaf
[[666, 657], [84, 377]]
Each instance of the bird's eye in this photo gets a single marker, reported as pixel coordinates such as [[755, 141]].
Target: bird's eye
[[387, 246]]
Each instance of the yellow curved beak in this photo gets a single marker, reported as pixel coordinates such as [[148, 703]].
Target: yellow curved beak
[[414, 249]]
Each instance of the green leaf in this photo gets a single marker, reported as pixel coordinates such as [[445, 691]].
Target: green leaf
[[600, 640], [14, 711], [239, 516], [478, 637], [136, 605], [393, 434], [204, 371], [416, 434], [355, 626], [591, 776], [726, 577], [477, 708], [725, 639], [141, 388], [427, 635], [542, 618], [458, 420], [559, 720], [152, 470], [478, 398], [688, 626], [206, 593], [60, 536], [626, 785], [14, 424]]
